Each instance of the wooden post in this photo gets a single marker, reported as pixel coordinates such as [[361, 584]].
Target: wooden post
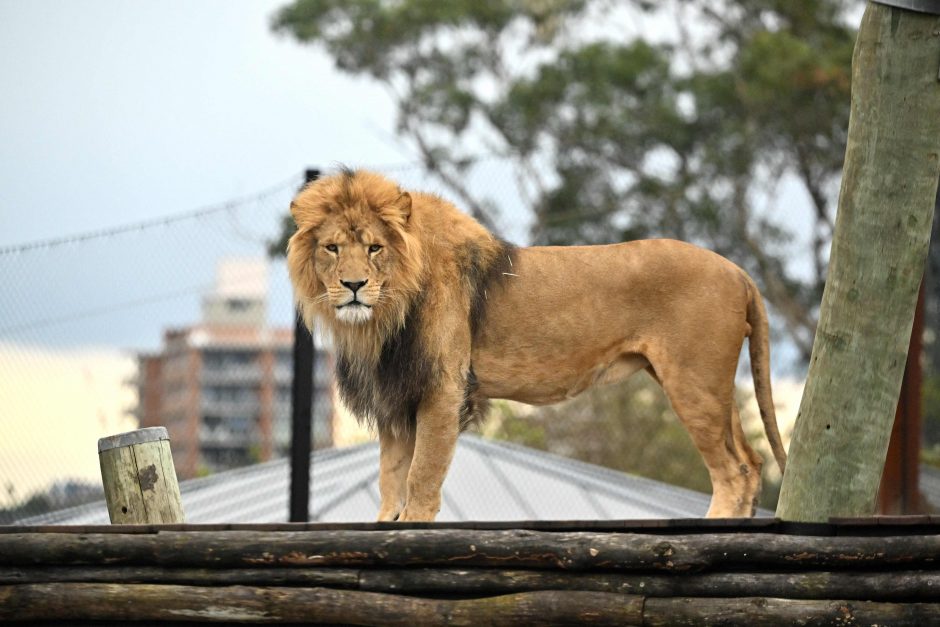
[[889, 184], [139, 478]]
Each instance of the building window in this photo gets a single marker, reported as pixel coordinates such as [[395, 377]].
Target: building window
[[237, 305]]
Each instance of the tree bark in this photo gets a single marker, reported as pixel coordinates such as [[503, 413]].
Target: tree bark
[[139, 477], [873, 586], [758, 611], [252, 605], [880, 243], [344, 578], [256, 605], [897, 586], [571, 551]]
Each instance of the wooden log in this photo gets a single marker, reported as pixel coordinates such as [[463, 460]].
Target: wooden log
[[472, 548], [865, 526], [244, 604], [674, 526], [253, 605], [757, 612], [343, 578], [889, 586], [139, 478]]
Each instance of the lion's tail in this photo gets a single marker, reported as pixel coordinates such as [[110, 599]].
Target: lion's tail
[[759, 349]]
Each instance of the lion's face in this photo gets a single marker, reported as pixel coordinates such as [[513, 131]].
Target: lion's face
[[353, 260]]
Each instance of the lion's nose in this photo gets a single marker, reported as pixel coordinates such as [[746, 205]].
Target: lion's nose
[[354, 285]]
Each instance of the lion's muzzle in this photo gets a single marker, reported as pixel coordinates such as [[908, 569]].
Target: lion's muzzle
[[354, 310]]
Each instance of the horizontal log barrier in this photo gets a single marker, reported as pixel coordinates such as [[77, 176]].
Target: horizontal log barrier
[[855, 527], [899, 586], [575, 551], [244, 604], [342, 578], [758, 612]]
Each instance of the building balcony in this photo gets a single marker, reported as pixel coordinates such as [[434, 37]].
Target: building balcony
[[226, 438], [233, 375], [283, 373], [230, 407]]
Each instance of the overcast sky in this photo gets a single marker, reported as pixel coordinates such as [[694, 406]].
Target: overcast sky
[[116, 111], [113, 112]]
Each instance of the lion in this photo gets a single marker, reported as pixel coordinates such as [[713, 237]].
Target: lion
[[431, 315]]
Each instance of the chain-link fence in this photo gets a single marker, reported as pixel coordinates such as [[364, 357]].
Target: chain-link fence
[[183, 321], [187, 322], [87, 321]]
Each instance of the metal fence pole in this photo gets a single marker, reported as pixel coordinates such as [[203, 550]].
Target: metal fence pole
[[302, 399]]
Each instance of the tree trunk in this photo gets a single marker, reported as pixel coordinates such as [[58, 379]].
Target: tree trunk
[[889, 184]]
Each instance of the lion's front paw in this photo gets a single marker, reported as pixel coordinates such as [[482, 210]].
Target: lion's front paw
[[415, 514], [387, 514]]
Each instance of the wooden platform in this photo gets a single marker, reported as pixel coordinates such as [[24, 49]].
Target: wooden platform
[[883, 571]]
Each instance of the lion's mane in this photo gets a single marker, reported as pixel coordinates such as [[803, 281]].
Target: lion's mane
[[385, 367]]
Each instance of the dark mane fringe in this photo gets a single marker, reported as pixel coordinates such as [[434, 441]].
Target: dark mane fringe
[[474, 407], [484, 276], [349, 175], [387, 396]]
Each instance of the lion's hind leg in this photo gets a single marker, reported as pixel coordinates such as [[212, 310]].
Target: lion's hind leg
[[707, 408], [754, 463]]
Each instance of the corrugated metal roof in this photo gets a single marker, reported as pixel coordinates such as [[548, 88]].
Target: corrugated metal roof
[[488, 480]]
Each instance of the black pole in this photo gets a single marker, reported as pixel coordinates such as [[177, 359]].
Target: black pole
[[302, 388]]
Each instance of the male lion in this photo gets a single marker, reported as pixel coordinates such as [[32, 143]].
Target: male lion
[[431, 315]]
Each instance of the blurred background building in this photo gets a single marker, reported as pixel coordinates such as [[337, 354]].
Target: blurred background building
[[222, 387]]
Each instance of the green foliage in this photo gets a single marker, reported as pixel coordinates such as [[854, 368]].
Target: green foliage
[[68, 493], [278, 247], [931, 417], [601, 427], [615, 136]]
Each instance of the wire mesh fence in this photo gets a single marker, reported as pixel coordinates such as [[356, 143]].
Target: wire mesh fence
[[185, 321], [80, 314]]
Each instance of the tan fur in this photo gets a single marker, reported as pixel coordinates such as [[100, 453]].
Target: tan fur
[[556, 320]]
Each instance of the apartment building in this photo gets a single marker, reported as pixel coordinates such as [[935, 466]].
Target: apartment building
[[222, 387]]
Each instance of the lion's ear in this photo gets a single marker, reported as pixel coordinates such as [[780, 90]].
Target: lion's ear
[[307, 215], [396, 213], [403, 205]]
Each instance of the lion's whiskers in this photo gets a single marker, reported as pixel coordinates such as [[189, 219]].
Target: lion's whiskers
[[314, 300]]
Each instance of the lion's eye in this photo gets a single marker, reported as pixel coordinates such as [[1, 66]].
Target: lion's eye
[[333, 248], [374, 248]]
